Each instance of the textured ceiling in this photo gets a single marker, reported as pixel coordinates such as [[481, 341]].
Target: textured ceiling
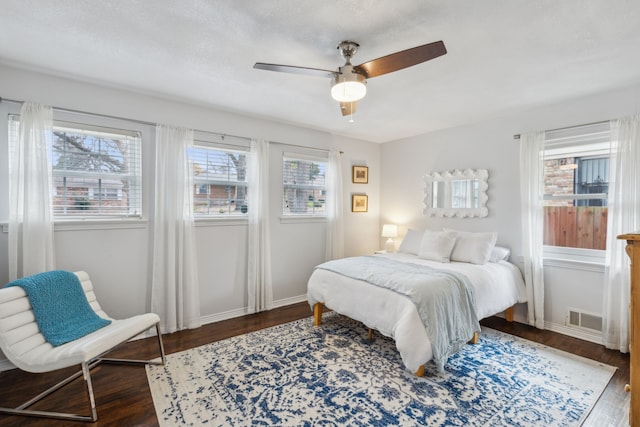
[[502, 54]]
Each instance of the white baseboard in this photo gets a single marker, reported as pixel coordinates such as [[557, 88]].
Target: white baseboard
[[5, 365], [583, 334], [225, 315]]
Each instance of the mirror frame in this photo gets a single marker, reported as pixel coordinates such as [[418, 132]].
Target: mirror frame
[[482, 175]]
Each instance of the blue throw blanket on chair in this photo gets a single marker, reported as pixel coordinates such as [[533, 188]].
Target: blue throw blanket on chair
[[60, 306]]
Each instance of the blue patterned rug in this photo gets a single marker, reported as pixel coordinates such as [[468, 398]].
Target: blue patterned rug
[[297, 374]]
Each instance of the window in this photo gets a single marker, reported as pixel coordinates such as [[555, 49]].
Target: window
[[304, 185], [220, 181], [96, 171], [576, 183]]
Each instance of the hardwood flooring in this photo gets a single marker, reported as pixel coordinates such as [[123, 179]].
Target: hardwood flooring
[[123, 397]]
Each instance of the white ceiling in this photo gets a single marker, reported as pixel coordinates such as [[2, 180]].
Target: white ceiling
[[502, 54]]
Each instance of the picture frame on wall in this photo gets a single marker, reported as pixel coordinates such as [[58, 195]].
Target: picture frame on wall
[[360, 175], [359, 203]]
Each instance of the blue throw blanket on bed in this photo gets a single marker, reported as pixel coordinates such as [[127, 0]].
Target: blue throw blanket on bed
[[445, 300], [60, 306]]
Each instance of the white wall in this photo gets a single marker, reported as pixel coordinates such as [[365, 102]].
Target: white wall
[[118, 259], [490, 145]]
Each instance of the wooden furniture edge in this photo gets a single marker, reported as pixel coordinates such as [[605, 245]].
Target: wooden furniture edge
[[632, 250]]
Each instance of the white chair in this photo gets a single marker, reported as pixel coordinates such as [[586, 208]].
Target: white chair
[[24, 345]]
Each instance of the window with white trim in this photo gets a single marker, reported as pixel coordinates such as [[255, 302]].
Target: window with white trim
[[304, 184], [576, 184], [96, 171], [220, 181]]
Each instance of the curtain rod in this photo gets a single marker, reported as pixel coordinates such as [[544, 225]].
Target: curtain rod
[[324, 150], [517, 135], [107, 116]]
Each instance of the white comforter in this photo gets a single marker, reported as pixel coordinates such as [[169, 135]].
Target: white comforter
[[498, 286]]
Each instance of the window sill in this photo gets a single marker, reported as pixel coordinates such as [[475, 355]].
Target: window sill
[[99, 224], [297, 219], [572, 264], [221, 221]]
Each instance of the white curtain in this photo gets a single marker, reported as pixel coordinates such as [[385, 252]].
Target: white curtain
[[531, 196], [259, 286], [623, 217], [334, 244], [30, 211], [174, 288]]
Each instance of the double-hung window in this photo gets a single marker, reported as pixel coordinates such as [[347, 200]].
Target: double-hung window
[[220, 181], [576, 183], [96, 171], [304, 185]]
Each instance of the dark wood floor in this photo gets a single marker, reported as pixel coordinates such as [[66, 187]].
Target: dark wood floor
[[123, 397]]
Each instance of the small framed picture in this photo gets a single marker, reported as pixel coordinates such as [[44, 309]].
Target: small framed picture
[[359, 203], [360, 175]]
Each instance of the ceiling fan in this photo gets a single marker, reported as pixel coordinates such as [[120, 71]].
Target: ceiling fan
[[348, 84]]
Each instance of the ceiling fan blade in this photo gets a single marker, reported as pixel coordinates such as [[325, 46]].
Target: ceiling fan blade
[[348, 108], [294, 70], [403, 59]]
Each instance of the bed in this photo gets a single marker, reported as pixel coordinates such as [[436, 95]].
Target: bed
[[497, 286]]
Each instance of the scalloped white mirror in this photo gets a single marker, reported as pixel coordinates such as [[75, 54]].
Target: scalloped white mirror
[[457, 193]]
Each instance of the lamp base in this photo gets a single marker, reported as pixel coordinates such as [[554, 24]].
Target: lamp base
[[389, 245]]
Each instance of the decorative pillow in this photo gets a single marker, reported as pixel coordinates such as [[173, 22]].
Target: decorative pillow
[[499, 253], [473, 247], [411, 242], [437, 245]]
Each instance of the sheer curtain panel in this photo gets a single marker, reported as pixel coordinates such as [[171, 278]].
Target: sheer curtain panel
[[334, 246], [531, 197], [623, 217], [174, 287], [30, 211], [259, 287]]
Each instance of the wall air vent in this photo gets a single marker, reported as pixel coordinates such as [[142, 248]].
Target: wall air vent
[[581, 319]]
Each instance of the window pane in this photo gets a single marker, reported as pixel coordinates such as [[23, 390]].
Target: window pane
[[95, 174], [220, 181], [575, 213], [304, 186]]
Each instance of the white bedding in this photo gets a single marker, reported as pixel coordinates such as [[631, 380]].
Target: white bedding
[[498, 286]]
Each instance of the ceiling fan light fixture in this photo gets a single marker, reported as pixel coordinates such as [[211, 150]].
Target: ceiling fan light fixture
[[349, 87]]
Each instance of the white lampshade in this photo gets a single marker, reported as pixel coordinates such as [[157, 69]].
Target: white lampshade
[[389, 230], [349, 87]]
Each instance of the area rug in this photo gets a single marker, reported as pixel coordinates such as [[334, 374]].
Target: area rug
[[296, 374]]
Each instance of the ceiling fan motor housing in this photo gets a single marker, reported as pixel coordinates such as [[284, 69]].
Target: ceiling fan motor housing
[[348, 85]]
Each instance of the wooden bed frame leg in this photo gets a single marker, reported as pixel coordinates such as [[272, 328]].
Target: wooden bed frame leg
[[420, 371], [317, 313], [474, 339], [370, 335], [508, 313]]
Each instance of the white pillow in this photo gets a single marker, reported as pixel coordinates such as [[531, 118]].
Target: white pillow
[[473, 247], [411, 242], [437, 245], [499, 253]]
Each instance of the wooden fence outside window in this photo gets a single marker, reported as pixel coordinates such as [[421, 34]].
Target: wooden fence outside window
[[576, 226]]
